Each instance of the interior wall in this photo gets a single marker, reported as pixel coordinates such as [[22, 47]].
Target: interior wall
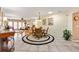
[[59, 24], [69, 22]]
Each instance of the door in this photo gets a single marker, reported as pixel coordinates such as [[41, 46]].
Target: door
[[76, 26]]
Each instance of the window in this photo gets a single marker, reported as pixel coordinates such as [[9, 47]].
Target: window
[[15, 25], [10, 23], [23, 24], [19, 25]]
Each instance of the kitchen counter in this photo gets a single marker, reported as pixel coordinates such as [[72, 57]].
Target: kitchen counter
[[4, 35]]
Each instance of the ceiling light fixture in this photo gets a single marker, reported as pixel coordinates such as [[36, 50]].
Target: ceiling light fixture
[[50, 12]]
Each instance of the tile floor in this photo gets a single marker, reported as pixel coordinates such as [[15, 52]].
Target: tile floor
[[59, 45]]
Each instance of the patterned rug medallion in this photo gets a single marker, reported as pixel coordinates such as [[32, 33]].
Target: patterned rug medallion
[[38, 41]]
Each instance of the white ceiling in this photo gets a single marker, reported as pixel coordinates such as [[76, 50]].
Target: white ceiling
[[19, 12]]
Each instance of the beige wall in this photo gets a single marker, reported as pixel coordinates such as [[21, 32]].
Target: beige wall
[[59, 24]]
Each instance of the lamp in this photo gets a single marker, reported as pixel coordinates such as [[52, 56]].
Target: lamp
[[50, 12]]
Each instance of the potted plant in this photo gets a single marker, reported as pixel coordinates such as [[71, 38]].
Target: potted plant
[[66, 34]]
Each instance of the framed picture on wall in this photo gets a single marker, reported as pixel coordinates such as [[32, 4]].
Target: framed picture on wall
[[44, 21], [50, 21]]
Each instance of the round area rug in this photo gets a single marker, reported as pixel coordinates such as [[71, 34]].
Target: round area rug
[[38, 41]]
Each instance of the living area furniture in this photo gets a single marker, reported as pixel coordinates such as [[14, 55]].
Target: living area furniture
[[6, 41], [45, 31], [28, 31], [38, 32]]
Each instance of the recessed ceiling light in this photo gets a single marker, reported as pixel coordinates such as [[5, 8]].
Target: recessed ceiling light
[[50, 12]]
